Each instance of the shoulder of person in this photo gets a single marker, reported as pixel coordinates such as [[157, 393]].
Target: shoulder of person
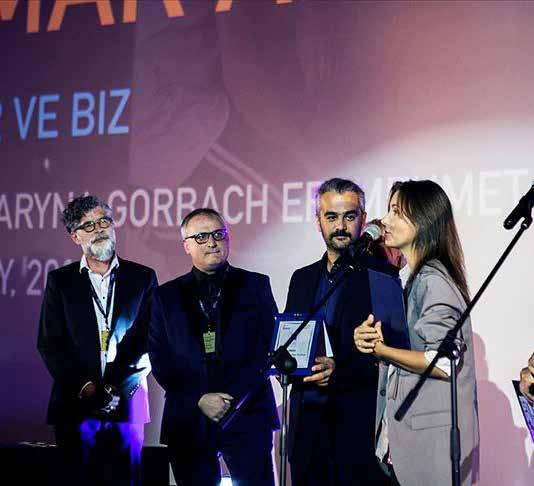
[[380, 265], [433, 278], [66, 269], [65, 272], [174, 284], [433, 270], [135, 267], [312, 268], [173, 291], [248, 274]]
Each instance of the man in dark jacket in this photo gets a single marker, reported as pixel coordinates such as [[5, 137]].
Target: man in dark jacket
[[332, 412], [209, 338], [93, 340]]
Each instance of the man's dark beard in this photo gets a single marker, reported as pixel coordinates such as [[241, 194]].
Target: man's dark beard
[[330, 242]]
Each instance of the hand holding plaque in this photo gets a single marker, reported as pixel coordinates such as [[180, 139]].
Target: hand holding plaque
[[322, 370]]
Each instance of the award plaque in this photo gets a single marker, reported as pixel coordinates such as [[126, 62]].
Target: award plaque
[[303, 348]]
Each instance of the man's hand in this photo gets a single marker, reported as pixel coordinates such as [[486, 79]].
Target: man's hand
[[322, 370], [526, 385], [99, 398], [215, 405], [88, 390], [368, 334], [112, 405]]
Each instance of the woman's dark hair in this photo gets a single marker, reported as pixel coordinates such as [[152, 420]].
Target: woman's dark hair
[[429, 209]]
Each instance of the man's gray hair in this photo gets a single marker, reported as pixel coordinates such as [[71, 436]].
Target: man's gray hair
[[340, 186], [201, 212], [77, 209]]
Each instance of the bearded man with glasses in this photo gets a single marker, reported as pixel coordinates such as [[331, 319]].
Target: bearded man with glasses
[[209, 337], [93, 340]]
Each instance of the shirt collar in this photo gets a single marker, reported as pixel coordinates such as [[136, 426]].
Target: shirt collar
[[404, 275], [202, 277], [329, 275], [113, 266]]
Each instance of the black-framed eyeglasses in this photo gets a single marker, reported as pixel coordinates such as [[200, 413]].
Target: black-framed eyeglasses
[[90, 226], [202, 238]]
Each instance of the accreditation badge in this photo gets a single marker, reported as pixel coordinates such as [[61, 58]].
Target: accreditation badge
[[209, 342], [104, 339]]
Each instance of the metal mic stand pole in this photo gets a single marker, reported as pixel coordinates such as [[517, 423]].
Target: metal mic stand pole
[[284, 381], [286, 364]]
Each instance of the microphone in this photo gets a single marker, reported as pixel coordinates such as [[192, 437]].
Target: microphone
[[523, 209], [371, 232], [355, 250]]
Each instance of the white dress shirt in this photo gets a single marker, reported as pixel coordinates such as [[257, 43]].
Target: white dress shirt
[[101, 285]]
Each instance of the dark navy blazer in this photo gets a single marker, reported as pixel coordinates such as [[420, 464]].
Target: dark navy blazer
[[69, 341], [352, 388], [178, 360]]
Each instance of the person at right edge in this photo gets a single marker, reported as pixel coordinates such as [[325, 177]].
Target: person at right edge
[[416, 449], [526, 377], [332, 412]]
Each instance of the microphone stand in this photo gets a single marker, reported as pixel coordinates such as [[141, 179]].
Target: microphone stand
[[448, 349], [286, 364]]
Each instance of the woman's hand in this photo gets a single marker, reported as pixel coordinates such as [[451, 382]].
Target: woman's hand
[[369, 339], [367, 335]]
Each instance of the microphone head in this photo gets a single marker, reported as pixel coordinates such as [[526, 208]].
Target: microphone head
[[353, 252], [374, 231]]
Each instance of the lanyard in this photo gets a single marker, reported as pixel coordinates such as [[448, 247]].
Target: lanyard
[[210, 312], [105, 314]]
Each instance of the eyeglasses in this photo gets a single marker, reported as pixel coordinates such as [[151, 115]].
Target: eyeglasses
[[90, 226], [202, 238]]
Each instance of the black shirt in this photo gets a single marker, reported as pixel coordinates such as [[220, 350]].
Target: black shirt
[[210, 295]]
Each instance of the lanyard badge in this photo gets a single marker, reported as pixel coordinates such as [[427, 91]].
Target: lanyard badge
[[209, 337], [106, 332], [209, 341]]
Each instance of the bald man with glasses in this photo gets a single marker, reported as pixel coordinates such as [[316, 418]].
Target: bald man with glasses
[[208, 340]]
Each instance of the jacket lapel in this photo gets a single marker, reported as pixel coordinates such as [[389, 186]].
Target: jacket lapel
[[231, 286], [310, 290], [189, 298], [87, 326], [120, 294]]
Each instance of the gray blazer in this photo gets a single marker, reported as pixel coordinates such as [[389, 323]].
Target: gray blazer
[[419, 444]]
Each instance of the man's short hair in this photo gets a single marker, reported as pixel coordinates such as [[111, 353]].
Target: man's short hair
[[78, 207], [201, 212], [340, 186]]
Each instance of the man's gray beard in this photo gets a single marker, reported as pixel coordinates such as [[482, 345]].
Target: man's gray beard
[[102, 250]]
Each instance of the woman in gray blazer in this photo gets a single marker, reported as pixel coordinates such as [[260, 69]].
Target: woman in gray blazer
[[420, 223]]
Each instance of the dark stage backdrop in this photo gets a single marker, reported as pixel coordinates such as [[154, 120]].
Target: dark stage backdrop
[[159, 106]]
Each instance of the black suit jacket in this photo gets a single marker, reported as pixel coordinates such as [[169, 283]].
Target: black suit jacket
[[352, 388], [69, 341], [178, 360]]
